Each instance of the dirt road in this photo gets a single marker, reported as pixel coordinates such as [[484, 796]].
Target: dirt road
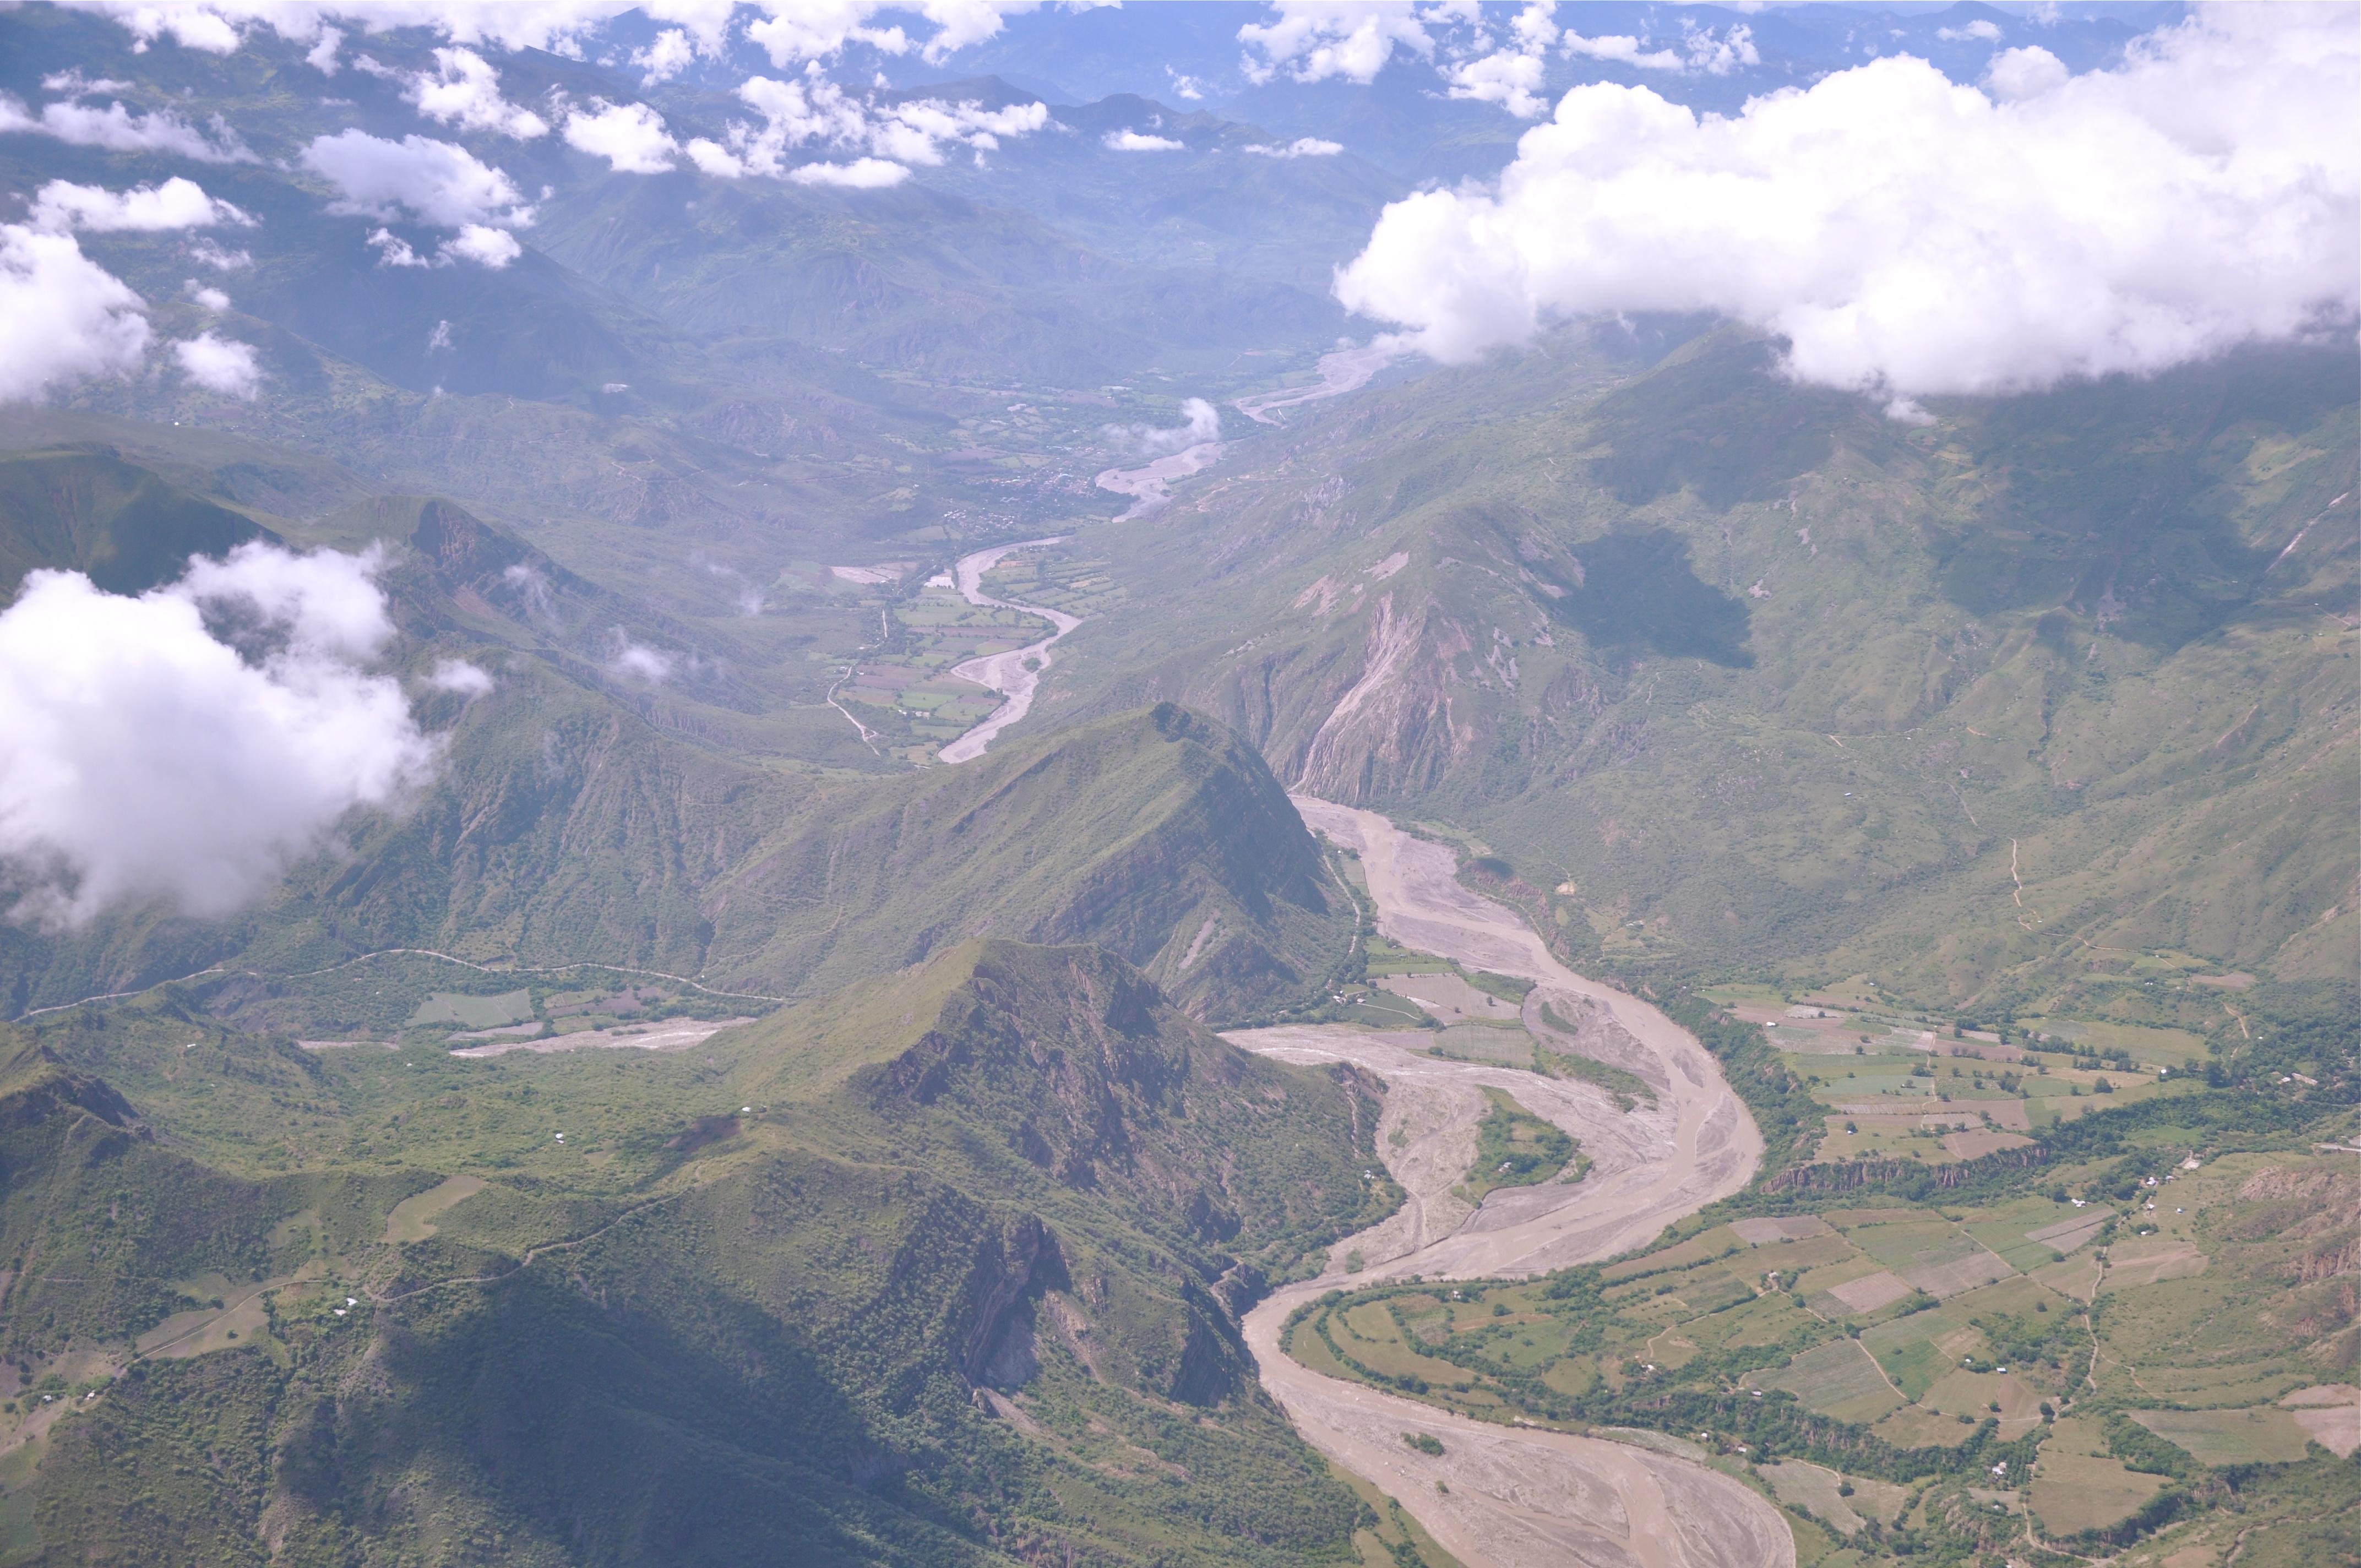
[[1015, 674], [1518, 1497]]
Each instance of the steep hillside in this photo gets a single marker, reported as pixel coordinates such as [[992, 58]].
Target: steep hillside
[[1156, 834], [1753, 675], [575, 813], [125, 527], [957, 1285]]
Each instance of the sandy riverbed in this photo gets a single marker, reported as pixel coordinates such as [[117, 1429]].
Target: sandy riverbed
[[1345, 370], [1015, 674], [1518, 1497], [1151, 485]]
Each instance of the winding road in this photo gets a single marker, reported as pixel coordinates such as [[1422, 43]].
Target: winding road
[[1015, 673], [1508, 1497]]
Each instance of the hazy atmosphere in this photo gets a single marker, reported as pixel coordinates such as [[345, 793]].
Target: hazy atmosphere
[[1180, 784]]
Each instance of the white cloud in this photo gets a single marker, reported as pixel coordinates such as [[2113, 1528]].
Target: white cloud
[[220, 365], [439, 340], [1201, 422], [322, 57], [392, 250], [197, 26], [177, 203], [797, 31], [1301, 147], [463, 90], [63, 316], [559, 25], [484, 246], [117, 129], [460, 676], [1312, 41], [630, 137], [1189, 88], [861, 174], [1128, 140], [1719, 54], [440, 183], [206, 252], [1509, 78], [671, 53], [1983, 29], [152, 759], [1909, 236], [639, 660], [1622, 49], [816, 113], [74, 84], [2017, 73], [211, 298]]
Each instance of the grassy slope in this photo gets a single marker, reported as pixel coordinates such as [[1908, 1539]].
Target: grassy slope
[[582, 815], [490, 861], [1155, 833], [1019, 1170], [2063, 624]]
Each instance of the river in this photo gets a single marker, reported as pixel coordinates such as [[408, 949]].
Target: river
[[1518, 1497], [1016, 674]]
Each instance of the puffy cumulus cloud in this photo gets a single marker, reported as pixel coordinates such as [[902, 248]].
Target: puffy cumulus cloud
[[1312, 41], [63, 316], [1700, 51], [177, 203], [1622, 49], [1718, 54], [74, 84], [631, 137], [438, 183], [220, 364], [457, 676], [463, 90], [792, 32], [1509, 78], [1128, 140], [637, 661], [210, 298], [796, 31], [817, 115], [117, 129], [1909, 236], [861, 174], [560, 26], [1983, 30], [2029, 72], [1511, 74], [1201, 422], [392, 250], [220, 257], [670, 53], [1301, 147], [190, 743], [481, 244]]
